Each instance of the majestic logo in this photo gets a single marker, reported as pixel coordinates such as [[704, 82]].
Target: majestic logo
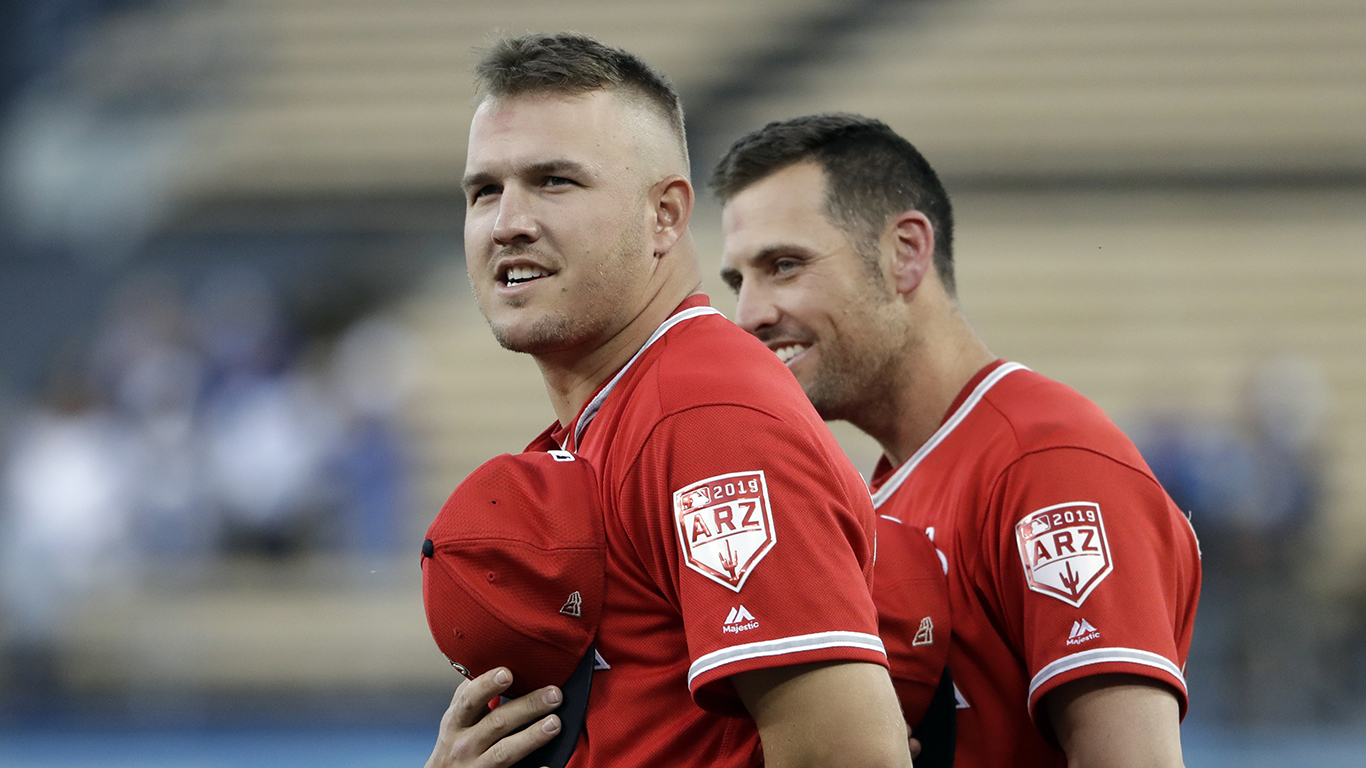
[[738, 620], [725, 526], [1082, 631], [924, 635], [574, 605], [1064, 551]]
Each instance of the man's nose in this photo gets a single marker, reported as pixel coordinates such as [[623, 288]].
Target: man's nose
[[755, 310], [516, 220]]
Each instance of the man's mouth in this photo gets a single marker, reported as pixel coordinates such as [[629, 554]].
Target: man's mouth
[[789, 351], [522, 274]]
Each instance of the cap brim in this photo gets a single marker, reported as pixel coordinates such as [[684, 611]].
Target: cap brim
[[572, 713]]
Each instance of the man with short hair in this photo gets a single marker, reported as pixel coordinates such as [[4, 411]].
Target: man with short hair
[[1073, 579], [739, 541]]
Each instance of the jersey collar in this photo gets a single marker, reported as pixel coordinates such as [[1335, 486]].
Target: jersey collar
[[965, 402], [569, 437]]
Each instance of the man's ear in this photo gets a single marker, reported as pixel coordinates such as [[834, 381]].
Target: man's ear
[[912, 237], [671, 202]]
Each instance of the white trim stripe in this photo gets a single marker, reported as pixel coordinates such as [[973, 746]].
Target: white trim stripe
[[904, 471], [1104, 656], [591, 410], [782, 647]]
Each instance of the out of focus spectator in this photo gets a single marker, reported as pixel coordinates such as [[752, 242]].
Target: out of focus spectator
[[152, 372], [64, 520], [267, 424], [1253, 487], [374, 370]]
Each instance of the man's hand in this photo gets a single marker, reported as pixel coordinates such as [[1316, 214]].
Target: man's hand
[[1116, 721], [473, 736]]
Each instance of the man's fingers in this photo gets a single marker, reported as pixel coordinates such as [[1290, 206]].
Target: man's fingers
[[473, 735], [513, 714], [471, 699], [510, 749]]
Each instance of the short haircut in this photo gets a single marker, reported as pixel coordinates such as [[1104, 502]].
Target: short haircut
[[872, 174], [570, 63]]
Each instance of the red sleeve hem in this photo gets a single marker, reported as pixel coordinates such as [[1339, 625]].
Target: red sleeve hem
[[709, 676], [1102, 661]]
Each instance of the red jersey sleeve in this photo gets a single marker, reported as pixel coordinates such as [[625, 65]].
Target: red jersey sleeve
[[1098, 571], [761, 537]]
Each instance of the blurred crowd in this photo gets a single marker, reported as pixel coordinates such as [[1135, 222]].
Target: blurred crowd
[[196, 423], [1253, 485]]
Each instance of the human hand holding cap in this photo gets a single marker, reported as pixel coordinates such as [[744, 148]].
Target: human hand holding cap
[[473, 736]]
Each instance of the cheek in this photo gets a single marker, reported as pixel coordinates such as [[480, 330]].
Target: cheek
[[476, 231]]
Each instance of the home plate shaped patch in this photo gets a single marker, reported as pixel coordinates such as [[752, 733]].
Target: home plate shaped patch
[[725, 526], [1064, 551]]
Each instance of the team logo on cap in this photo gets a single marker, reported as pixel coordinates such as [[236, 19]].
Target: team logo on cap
[[725, 526], [1064, 551]]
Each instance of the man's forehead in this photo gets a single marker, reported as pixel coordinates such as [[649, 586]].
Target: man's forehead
[[529, 124], [547, 112], [781, 210], [794, 192]]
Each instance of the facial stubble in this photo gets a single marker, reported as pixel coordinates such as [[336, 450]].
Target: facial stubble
[[604, 308]]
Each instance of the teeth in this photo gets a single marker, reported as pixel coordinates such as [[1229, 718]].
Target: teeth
[[523, 274], [790, 351]]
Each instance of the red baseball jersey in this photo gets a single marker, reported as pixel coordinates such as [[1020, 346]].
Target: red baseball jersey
[[1065, 557], [738, 535]]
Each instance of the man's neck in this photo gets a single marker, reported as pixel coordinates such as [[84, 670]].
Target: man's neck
[[572, 377], [928, 381]]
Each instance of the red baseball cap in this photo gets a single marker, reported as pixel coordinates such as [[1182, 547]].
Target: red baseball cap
[[912, 597], [513, 570]]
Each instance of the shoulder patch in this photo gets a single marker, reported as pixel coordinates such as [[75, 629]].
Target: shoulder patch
[[725, 526], [1064, 551]]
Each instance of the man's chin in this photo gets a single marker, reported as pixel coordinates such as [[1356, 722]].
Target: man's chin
[[829, 402], [544, 337]]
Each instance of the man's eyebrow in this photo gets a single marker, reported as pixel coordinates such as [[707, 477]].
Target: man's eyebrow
[[779, 249], [475, 181], [557, 167], [547, 168]]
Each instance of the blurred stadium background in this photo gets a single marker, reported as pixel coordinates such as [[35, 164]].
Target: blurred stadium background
[[240, 368]]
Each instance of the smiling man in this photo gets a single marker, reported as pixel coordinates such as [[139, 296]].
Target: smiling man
[[1073, 579], [736, 626]]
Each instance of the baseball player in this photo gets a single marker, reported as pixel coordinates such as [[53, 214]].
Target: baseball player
[[1073, 579], [736, 626]]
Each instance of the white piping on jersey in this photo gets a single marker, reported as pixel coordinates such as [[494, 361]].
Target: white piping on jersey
[[591, 410], [904, 471], [1104, 656], [783, 646]]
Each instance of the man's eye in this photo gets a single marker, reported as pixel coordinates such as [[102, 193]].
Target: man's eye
[[557, 181], [487, 189], [785, 265]]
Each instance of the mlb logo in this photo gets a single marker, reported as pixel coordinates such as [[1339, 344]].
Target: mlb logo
[[1064, 550], [725, 526], [698, 497]]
